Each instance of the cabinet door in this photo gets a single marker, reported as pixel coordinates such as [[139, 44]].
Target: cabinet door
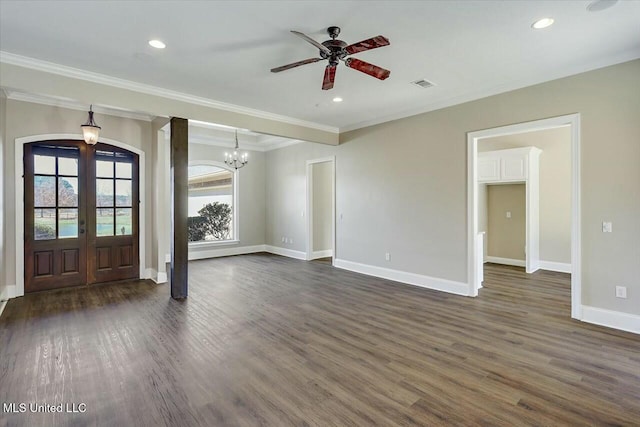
[[514, 169], [488, 169]]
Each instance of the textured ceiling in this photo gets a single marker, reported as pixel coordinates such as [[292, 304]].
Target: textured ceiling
[[224, 50]]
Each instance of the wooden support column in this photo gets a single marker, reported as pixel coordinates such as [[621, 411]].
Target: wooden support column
[[179, 207]]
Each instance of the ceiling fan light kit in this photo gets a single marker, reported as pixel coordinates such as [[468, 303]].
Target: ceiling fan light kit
[[335, 50]]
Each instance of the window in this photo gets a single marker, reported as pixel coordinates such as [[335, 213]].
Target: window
[[55, 192], [114, 194], [212, 197]]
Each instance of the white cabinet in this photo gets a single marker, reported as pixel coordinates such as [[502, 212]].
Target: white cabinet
[[488, 169], [513, 168], [507, 165]]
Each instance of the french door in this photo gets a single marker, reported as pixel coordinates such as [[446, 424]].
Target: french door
[[81, 214]]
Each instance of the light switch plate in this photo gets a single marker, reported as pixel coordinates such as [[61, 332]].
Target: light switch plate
[[508, 214], [621, 291], [607, 227]]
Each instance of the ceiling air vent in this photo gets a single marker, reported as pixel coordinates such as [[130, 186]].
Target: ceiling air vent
[[423, 83]]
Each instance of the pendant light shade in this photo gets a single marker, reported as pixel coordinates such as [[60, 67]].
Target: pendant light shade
[[90, 130]]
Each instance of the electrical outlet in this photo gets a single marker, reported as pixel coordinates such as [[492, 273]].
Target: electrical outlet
[[283, 239], [607, 227], [621, 291], [290, 240], [508, 214], [387, 256]]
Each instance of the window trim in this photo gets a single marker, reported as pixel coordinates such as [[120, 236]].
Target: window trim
[[235, 236]]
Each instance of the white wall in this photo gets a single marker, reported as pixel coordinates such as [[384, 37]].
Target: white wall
[[322, 206]]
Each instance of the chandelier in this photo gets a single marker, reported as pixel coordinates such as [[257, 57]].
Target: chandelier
[[236, 160]]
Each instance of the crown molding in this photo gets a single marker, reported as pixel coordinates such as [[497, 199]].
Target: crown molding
[[497, 90], [76, 73], [249, 146], [273, 143], [74, 105]]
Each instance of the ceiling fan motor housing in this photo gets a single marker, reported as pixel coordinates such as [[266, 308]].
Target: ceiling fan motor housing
[[337, 51]]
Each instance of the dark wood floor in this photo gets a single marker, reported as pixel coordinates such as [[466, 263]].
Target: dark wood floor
[[266, 340]]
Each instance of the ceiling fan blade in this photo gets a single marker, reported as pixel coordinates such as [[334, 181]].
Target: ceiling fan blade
[[372, 43], [365, 67], [295, 64], [329, 77], [312, 41]]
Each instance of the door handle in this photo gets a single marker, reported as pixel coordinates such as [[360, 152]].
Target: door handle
[[82, 231]]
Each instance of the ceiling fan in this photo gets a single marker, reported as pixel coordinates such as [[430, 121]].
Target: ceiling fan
[[335, 51]]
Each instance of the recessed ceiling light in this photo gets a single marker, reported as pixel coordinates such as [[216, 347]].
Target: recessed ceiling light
[[337, 99], [599, 5], [157, 44], [542, 23]]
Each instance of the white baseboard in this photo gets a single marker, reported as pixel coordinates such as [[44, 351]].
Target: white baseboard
[[161, 278], [560, 267], [506, 261], [321, 254], [444, 285], [612, 319], [285, 252], [224, 251], [149, 273], [157, 277], [8, 293]]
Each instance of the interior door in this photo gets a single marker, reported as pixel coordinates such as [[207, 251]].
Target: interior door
[[81, 214]]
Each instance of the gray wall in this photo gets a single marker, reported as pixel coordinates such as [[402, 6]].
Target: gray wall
[[555, 186], [286, 193], [506, 236], [322, 204], [251, 192], [25, 119], [30, 80], [401, 185], [3, 129]]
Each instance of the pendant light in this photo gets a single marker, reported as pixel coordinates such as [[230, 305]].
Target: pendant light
[[90, 130]]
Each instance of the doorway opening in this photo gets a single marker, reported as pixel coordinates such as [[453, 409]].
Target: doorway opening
[[321, 209], [81, 214], [568, 258]]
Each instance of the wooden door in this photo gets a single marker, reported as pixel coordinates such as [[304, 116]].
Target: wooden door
[[55, 208], [113, 214], [81, 214]]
